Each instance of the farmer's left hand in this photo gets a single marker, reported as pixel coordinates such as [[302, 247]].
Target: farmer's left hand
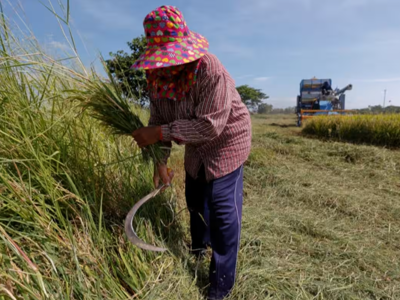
[[147, 135]]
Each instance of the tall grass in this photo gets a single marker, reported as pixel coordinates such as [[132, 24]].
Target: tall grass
[[381, 130], [66, 185]]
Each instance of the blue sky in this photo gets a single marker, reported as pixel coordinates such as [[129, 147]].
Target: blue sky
[[268, 44]]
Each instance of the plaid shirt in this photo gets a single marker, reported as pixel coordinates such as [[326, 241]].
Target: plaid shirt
[[212, 122]]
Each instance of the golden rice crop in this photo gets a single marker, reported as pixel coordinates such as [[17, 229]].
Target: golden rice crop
[[382, 130]]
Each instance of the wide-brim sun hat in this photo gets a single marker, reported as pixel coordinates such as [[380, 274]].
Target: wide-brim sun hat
[[169, 40]]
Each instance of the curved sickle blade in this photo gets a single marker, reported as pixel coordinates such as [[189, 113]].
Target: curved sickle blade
[[130, 232]]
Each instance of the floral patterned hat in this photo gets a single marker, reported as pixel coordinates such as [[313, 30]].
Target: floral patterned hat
[[169, 40]]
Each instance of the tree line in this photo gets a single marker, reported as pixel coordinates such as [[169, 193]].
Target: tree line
[[379, 109]]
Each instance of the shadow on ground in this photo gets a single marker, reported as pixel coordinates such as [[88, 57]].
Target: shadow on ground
[[283, 125], [199, 269]]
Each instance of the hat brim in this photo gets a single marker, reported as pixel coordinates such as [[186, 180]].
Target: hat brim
[[175, 51]]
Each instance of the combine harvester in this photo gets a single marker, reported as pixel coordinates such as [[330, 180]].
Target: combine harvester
[[317, 98]]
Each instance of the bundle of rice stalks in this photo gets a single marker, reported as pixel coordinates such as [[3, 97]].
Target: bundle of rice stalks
[[105, 102]]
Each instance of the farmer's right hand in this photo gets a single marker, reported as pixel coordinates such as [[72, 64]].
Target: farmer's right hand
[[162, 172]]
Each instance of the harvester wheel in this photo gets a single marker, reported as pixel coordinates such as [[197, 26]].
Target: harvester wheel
[[299, 122]]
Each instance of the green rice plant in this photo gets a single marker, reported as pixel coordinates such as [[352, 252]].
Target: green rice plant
[[381, 130]]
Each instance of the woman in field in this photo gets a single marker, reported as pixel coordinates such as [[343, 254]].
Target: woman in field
[[194, 103]]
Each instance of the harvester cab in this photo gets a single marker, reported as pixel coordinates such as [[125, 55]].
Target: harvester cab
[[318, 98]]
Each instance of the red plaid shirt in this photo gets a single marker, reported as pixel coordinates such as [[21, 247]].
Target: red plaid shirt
[[212, 122]]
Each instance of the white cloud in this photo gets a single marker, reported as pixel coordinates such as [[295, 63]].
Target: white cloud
[[244, 76], [380, 80], [59, 46], [320, 10], [224, 46], [109, 14], [262, 78], [359, 3]]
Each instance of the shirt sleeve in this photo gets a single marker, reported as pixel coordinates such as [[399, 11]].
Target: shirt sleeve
[[211, 114], [156, 119]]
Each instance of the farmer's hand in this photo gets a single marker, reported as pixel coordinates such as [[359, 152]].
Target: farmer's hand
[[147, 135], [162, 172]]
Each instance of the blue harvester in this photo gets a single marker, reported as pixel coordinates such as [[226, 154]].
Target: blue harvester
[[317, 98]]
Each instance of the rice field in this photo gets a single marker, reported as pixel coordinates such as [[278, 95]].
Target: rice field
[[320, 220], [381, 130]]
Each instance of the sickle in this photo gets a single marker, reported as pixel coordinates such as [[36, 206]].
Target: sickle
[[130, 232]]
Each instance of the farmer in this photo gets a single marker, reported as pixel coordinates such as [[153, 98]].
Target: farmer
[[326, 88], [194, 102]]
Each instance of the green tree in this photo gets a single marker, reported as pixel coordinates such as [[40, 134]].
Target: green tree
[[392, 109], [264, 108], [133, 82], [251, 97]]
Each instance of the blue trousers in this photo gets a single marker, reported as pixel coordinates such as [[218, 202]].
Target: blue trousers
[[215, 218]]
